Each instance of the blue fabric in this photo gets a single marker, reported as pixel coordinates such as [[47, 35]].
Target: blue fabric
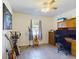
[[30, 31], [40, 31]]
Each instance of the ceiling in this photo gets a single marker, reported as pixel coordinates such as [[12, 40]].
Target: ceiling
[[33, 7]]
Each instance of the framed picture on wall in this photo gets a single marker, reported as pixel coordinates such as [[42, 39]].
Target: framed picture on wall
[[7, 18]]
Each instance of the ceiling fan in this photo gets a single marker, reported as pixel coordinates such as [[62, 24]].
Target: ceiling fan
[[49, 2], [48, 5]]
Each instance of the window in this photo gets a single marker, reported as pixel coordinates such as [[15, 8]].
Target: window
[[35, 27]]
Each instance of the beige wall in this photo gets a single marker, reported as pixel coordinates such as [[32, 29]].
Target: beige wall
[[68, 14], [21, 23], [5, 42], [8, 5]]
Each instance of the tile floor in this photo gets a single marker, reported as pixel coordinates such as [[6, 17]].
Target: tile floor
[[43, 52]]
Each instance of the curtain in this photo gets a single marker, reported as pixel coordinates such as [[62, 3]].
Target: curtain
[[30, 31], [40, 30]]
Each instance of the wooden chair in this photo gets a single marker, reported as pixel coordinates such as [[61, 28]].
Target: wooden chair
[[35, 41]]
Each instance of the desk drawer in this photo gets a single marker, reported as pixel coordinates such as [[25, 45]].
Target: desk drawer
[[73, 42], [74, 53], [73, 48]]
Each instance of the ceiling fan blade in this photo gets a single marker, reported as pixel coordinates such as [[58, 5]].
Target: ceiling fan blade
[[45, 3], [54, 8], [52, 1]]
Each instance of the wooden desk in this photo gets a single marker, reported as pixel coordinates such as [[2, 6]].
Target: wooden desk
[[73, 45]]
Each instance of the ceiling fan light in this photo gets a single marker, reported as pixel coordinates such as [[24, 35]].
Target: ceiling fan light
[[45, 10]]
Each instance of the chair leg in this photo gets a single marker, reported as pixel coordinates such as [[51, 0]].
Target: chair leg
[[58, 49]]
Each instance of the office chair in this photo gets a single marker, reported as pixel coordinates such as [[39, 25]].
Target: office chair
[[66, 46], [58, 43], [62, 45]]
